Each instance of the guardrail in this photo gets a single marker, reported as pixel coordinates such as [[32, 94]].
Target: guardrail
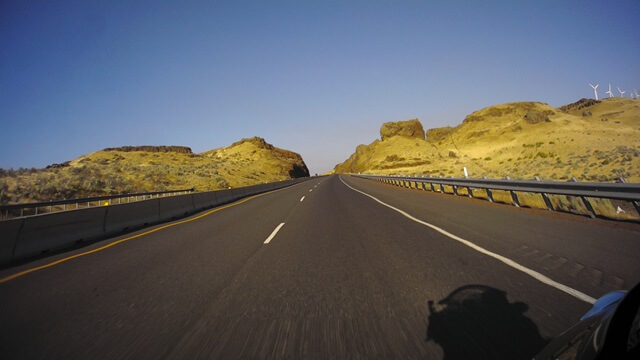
[[7, 211], [583, 190]]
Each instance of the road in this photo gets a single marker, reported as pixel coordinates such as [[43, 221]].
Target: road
[[346, 276]]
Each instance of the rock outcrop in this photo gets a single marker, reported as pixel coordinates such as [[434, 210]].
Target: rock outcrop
[[152, 148], [590, 140], [410, 128]]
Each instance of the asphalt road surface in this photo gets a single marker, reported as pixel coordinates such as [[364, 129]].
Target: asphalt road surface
[[345, 277]]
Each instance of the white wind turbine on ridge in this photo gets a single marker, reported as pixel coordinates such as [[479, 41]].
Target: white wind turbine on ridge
[[609, 92], [621, 92], [595, 90]]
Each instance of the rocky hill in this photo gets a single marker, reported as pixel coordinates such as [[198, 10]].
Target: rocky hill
[[590, 140], [152, 168]]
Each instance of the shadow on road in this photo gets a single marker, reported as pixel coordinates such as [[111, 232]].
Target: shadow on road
[[478, 322]]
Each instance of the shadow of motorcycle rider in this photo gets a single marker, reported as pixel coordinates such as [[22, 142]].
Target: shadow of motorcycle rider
[[479, 322]]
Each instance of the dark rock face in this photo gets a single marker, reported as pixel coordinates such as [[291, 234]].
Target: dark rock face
[[578, 105], [58, 166], [151, 148], [410, 128], [299, 171]]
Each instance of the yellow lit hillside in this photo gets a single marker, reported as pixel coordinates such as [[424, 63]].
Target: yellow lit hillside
[[589, 140], [152, 168]]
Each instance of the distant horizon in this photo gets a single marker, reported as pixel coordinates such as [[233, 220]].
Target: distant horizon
[[314, 78], [199, 151], [293, 150]]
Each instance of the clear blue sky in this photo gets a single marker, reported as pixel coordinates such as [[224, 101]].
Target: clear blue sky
[[318, 77]]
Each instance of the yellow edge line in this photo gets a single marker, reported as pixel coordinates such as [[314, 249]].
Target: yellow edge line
[[25, 272]]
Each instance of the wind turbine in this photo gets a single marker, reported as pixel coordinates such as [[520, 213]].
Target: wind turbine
[[621, 92], [609, 92], [595, 91], [637, 96]]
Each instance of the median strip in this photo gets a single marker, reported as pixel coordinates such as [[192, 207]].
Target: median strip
[[536, 275]]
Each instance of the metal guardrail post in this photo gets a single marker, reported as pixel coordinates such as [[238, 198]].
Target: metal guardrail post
[[455, 190], [514, 196], [545, 197], [585, 201], [587, 204], [488, 191]]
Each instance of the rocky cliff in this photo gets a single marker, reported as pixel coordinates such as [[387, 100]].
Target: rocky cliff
[[590, 140]]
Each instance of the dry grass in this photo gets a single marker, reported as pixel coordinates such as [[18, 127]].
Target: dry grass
[[523, 141], [499, 141], [247, 162]]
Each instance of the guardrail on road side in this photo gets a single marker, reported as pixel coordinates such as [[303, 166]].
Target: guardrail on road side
[[583, 190]]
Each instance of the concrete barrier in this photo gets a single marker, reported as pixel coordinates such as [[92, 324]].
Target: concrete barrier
[[173, 207], [30, 236], [224, 197], [9, 230], [59, 230], [251, 190], [204, 200], [127, 216], [242, 192]]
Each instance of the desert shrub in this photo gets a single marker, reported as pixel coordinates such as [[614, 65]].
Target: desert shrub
[[535, 117]]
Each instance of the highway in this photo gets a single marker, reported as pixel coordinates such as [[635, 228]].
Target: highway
[[331, 268]]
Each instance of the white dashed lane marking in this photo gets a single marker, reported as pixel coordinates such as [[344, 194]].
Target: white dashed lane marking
[[273, 234]]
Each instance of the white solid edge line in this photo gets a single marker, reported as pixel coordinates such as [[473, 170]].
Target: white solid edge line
[[273, 234], [536, 275], [302, 198]]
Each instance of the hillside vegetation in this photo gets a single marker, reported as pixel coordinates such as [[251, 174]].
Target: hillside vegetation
[[589, 140], [131, 169]]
